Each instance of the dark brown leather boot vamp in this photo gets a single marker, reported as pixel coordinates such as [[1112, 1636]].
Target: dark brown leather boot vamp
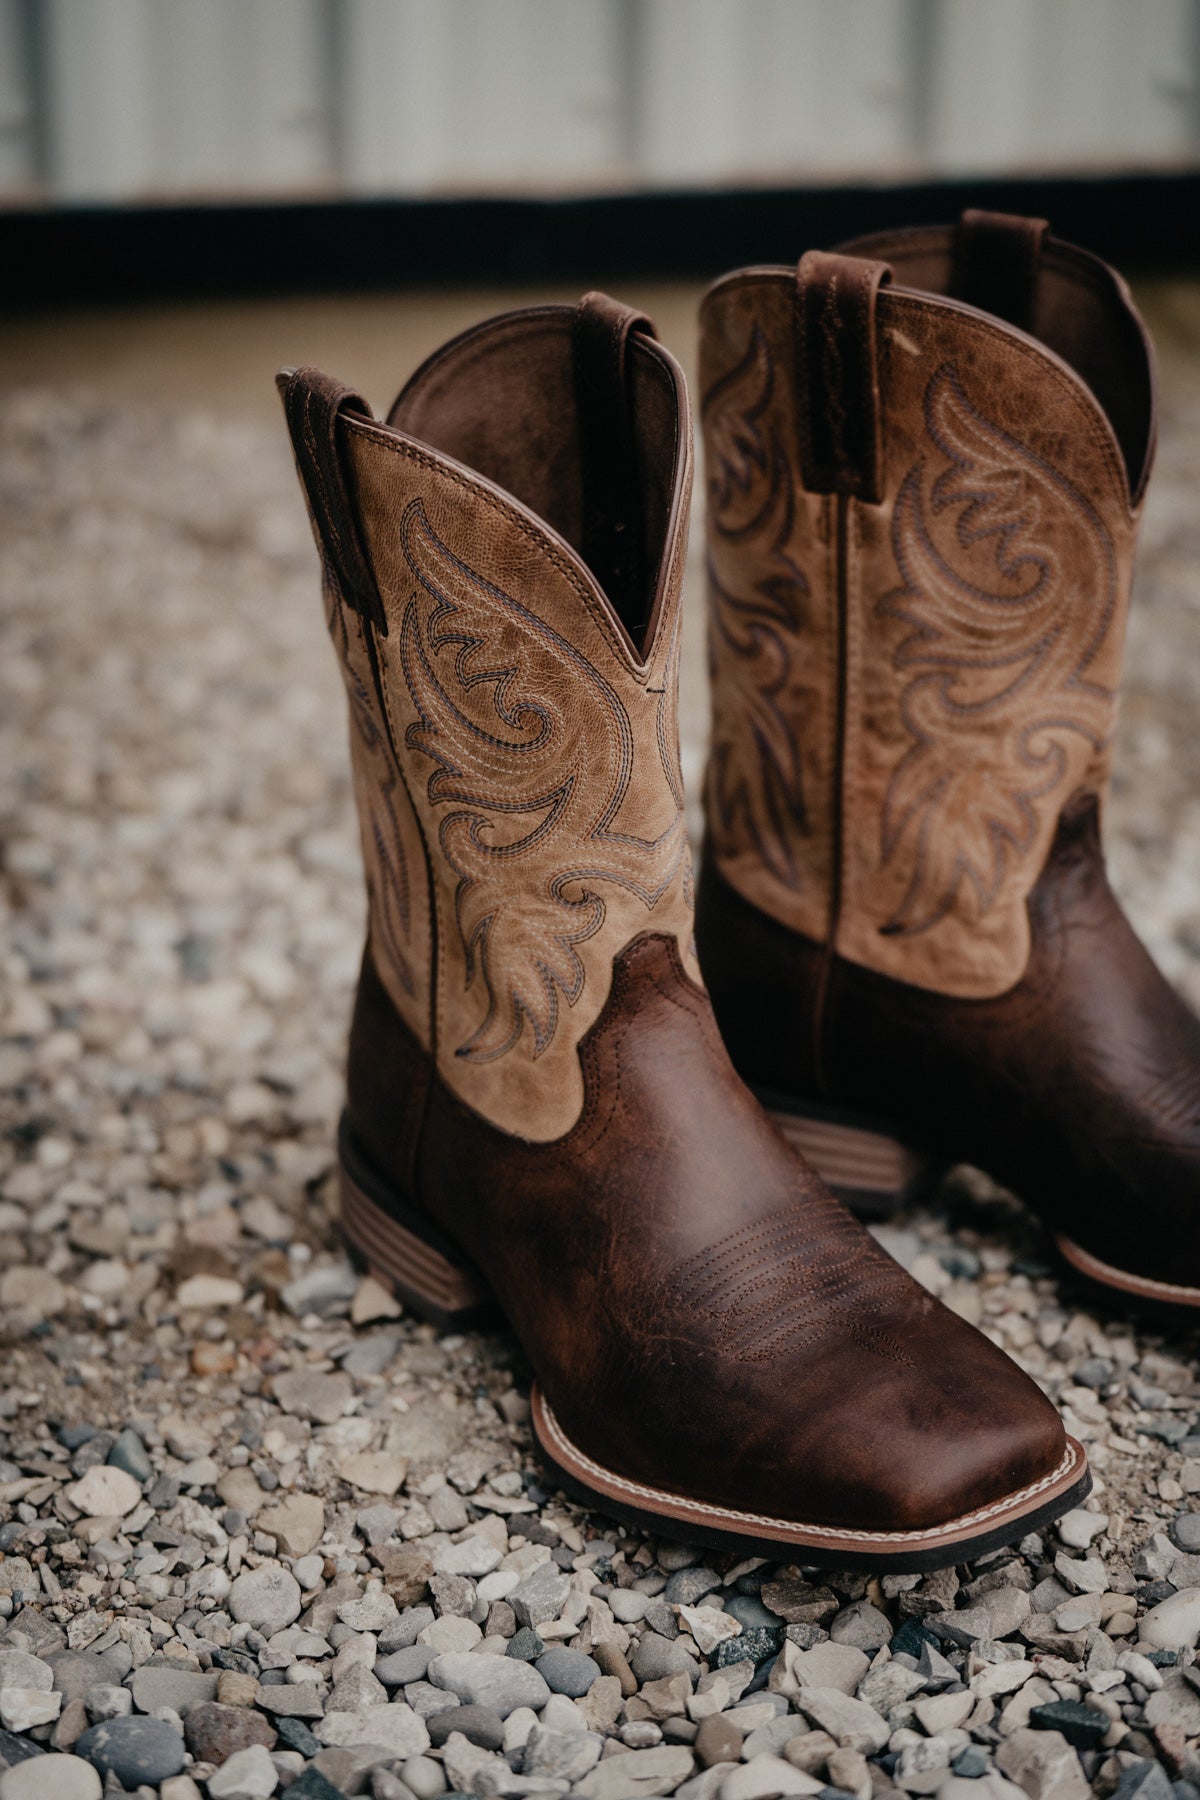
[[717, 1341], [927, 457], [539, 1106]]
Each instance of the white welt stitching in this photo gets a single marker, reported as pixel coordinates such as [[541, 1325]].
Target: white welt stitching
[[659, 1495], [1138, 1284]]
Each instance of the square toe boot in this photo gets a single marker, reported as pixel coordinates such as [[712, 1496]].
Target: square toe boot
[[926, 457], [540, 1110]]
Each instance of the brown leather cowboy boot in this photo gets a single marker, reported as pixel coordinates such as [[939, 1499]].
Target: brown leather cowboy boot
[[540, 1107], [926, 460]]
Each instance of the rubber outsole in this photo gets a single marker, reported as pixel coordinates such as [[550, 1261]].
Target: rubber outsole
[[1172, 1295]]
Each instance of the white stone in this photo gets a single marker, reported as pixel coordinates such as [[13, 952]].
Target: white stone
[[501, 1682], [627, 1605], [475, 1556], [518, 1726], [246, 1775], [104, 1491], [204, 1292], [1079, 1528], [374, 1472], [943, 1712], [51, 1778], [450, 1633], [1174, 1624], [637, 1772], [296, 1524], [1140, 1668], [396, 1727], [708, 1626], [1083, 1575], [849, 1721], [20, 1670], [1001, 1678], [827, 1665], [23, 1708], [268, 1598], [764, 1777], [1044, 1765], [498, 1585]]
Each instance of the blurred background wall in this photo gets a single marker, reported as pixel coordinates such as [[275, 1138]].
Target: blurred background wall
[[131, 101]]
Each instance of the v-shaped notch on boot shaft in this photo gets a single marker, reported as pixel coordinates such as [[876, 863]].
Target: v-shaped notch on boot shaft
[[577, 415], [503, 560]]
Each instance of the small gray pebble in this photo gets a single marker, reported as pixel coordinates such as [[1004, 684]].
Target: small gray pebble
[[569, 1672], [403, 1666], [526, 1645], [687, 1586], [129, 1453], [655, 1657], [1185, 1530]]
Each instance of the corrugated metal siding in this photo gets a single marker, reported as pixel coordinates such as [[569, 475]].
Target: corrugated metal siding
[[133, 99]]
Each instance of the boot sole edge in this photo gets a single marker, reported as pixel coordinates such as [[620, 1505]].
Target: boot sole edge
[[934, 1547], [1170, 1294], [412, 1261]]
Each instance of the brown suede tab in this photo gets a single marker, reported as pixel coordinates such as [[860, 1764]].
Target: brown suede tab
[[996, 258], [313, 405], [613, 538], [837, 373]]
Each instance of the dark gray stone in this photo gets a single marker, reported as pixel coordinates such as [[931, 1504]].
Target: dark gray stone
[[14, 1749], [294, 1735], [1082, 1726], [129, 1453], [687, 1586], [526, 1645], [134, 1750], [1143, 1781], [750, 1612], [312, 1785]]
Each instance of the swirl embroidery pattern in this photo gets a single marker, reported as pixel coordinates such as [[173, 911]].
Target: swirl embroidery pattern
[[756, 793], [533, 754], [1009, 588]]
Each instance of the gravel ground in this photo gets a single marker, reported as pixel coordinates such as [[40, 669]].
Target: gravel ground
[[260, 1531]]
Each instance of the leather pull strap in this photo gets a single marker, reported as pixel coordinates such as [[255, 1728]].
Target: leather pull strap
[[613, 538], [313, 405], [996, 257], [837, 369]]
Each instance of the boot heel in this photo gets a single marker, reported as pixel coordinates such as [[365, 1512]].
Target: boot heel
[[414, 1262], [871, 1171]]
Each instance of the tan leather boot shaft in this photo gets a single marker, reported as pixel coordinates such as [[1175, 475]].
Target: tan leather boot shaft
[[921, 529], [514, 740]]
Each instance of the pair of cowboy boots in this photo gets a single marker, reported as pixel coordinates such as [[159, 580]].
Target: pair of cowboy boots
[[925, 457]]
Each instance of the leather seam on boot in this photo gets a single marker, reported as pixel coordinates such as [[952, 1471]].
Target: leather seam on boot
[[1071, 1458]]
